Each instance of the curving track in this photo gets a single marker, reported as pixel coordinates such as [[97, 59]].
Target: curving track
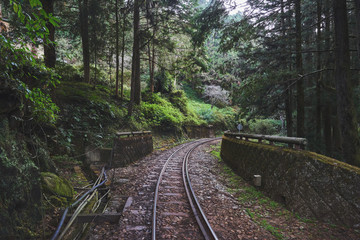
[[176, 212]]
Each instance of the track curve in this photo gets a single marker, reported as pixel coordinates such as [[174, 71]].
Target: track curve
[[175, 168]]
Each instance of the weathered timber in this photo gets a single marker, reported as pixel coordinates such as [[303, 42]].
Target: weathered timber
[[128, 134], [302, 142]]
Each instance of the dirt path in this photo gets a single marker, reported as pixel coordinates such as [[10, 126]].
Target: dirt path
[[234, 208]]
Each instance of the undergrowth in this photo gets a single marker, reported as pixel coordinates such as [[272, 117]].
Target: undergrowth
[[221, 118]]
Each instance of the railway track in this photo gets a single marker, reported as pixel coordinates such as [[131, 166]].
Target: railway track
[[177, 213]]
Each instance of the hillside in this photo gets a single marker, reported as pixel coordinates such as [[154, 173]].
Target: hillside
[[87, 115]]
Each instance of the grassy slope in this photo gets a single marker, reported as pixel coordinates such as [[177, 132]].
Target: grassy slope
[[91, 114]]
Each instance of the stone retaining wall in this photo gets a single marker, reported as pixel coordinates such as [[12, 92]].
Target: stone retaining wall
[[125, 151], [200, 131], [129, 149], [310, 184]]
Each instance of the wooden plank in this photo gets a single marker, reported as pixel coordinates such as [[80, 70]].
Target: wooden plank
[[96, 218]]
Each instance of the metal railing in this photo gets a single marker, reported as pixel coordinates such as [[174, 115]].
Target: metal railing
[[82, 201], [298, 143]]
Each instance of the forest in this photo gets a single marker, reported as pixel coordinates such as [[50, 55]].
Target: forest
[[75, 72]]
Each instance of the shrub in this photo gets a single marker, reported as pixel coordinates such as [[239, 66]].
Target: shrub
[[262, 126], [179, 100], [161, 113]]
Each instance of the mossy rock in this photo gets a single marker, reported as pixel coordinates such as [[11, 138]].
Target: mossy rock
[[56, 185]]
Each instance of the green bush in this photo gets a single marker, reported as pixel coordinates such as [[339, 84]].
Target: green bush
[[262, 126], [162, 114], [69, 72], [225, 118], [179, 100], [221, 118]]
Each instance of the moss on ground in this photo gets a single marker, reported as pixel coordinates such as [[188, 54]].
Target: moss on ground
[[60, 187]]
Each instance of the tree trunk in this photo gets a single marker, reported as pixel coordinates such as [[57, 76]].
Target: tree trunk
[[345, 105], [327, 79], [288, 112], [357, 16], [135, 96], [149, 60], [84, 29], [136, 53], [336, 133], [110, 63], [288, 92], [318, 67], [95, 60], [49, 47], [117, 47], [153, 61], [122, 56], [299, 68], [327, 130]]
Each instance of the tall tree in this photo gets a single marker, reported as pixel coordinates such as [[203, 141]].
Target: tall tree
[[135, 95], [288, 90], [117, 47], [300, 124], [84, 31], [344, 92], [357, 16], [318, 66], [124, 14], [49, 44]]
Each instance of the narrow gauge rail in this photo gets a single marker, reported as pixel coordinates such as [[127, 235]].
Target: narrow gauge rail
[[206, 230]]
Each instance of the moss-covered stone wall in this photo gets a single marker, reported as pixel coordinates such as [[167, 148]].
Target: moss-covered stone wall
[[310, 184], [130, 149], [200, 131], [125, 151]]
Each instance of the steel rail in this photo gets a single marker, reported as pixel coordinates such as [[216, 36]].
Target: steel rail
[[201, 219], [206, 229], [156, 196]]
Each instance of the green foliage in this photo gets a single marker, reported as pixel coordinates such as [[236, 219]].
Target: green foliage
[[21, 72], [69, 72], [35, 20], [206, 20], [274, 230], [164, 81], [179, 100], [216, 151], [162, 113], [42, 106], [19, 185], [262, 126], [221, 118], [31, 80], [89, 115]]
